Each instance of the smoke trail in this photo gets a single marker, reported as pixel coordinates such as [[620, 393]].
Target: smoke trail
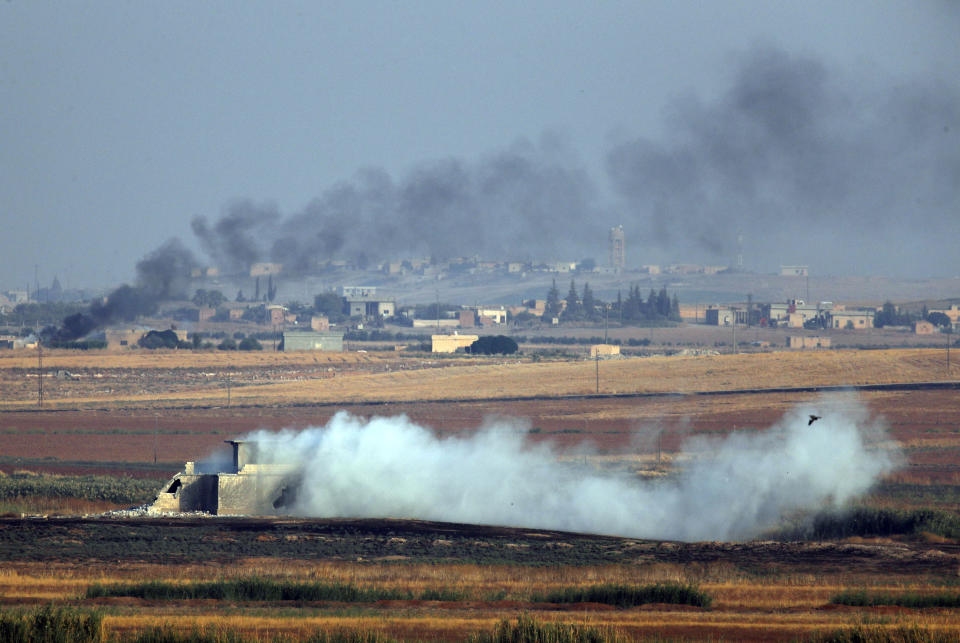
[[390, 467], [526, 201], [805, 161]]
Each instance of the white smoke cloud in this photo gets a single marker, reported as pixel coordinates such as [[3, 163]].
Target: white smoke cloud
[[733, 488]]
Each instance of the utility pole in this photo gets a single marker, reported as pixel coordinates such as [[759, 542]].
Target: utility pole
[[39, 373], [229, 376], [949, 332], [734, 330], [597, 361], [156, 434]]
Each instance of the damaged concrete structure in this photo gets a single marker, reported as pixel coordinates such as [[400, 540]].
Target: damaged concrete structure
[[247, 487]]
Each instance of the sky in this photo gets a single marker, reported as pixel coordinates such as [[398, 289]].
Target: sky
[[821, 133]]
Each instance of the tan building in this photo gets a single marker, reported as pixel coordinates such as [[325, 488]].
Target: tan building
[[319, 323], [450, 343], [802, 342], [604, 350], [276, 315], [851, 319], [468, 318], [924, 328], [236, 314]]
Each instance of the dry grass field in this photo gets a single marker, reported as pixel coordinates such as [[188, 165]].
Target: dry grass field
[[744, 608], [111, 410], [180, 378]]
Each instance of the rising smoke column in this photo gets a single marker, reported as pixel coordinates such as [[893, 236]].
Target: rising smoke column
[[737, 486], [527, 201], [807, 162]]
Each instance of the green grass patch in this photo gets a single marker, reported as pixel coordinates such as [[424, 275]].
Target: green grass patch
[[116, 489], [51, 625], [529, 630], [262, 589], [872, 521], [630, 595], [863, 633], [863, 598]]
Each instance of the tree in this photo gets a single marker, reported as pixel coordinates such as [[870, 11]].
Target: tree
[[939, 319], [208, 298], [227, 345], [493, 345], [573, 309], [588, 302], [250, 344], [586, 265], [552, 307], [329, 304], [159, 339]]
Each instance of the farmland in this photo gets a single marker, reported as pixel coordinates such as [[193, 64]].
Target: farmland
[[138, 417]]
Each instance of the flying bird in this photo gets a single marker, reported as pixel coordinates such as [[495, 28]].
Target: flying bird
[[813, 418]]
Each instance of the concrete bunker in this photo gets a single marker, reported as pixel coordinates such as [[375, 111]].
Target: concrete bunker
[[247, 486]]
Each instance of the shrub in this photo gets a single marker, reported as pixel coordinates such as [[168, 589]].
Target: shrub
[[51, 625], [528, 630], [250, 344], [493, 344], [862, 598], [630, 595]]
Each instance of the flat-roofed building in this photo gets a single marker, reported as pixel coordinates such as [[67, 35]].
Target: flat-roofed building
[[803, 342], [450, 343], [311, 340]]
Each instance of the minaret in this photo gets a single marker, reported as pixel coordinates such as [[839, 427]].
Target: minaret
[[617, 260]]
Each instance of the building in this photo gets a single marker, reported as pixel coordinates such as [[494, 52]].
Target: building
[[794, 271], [953, 314], [364, 302], [265, 269], [311, 340], [617, 250], [924, 328], [276, 315], [436, 323], [724, 316], [246, 486], [451, 343], [803, 342], [851, 319], [492, 316], [782, 313], [468, 318], [319, 323], [604, 350]]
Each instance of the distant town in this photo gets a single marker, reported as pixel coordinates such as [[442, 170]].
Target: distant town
[[445, 306]]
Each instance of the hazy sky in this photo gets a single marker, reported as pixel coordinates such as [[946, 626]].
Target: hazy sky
[[121, 122]]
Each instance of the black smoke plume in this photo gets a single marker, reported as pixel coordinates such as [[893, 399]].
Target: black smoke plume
[[805, 163], [525, 202], [161, 275]]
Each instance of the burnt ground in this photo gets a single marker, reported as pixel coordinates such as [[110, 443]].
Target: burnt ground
[[222, 540]]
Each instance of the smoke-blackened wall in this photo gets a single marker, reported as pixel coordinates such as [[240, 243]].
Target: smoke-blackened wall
[[806, 162]]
